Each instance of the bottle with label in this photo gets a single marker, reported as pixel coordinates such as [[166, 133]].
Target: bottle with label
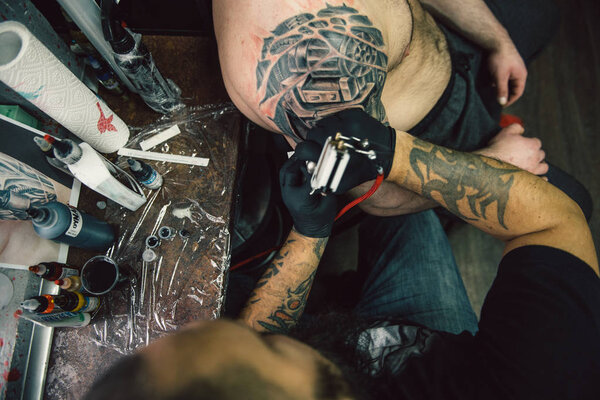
[[105, 76], [52, 270], [70, 283], [59, 319], [97, 173], [67, 301], [145, 174], [46, 148], [75, 301], [136, 62], [64, 224], [43, 304], [13, 201]]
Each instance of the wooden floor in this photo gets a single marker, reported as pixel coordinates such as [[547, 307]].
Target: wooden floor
[[561, 106]]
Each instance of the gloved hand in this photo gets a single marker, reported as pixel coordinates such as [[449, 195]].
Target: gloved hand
[[356, 123], [313, 215]]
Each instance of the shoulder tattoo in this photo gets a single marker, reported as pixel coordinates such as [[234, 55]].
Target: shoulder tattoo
[[314, 65]]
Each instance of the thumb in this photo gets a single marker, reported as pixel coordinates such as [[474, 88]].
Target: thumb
[[502, 87], [515, 129], [291, 173], [308, 151]]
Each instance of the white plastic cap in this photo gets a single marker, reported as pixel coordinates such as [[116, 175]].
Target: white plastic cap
[[148, 255], [30, 304]]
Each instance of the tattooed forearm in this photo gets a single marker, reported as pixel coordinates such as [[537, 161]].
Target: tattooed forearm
[[319, 248], [316, 65], [467, 184], [279, 298], [273, 268], [289, 312]]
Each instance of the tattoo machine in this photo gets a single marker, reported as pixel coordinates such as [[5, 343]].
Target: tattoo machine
[[329, 170]]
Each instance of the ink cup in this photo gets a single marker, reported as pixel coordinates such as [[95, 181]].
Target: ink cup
[[100, 275]]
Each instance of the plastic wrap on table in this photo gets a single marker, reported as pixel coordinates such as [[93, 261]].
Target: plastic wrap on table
[[184, 281], [160, 94]]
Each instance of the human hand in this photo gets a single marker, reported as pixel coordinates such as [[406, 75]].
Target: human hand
[[508, 71], [313, 215], [352, 123], [510, 146]]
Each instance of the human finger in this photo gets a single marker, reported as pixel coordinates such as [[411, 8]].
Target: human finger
[[517, 87], [308, 151], [542, 155], [515, 129], [291, 173], [501, 81], [541, 169]]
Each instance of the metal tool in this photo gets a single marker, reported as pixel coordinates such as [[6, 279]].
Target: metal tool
[[329, 170]]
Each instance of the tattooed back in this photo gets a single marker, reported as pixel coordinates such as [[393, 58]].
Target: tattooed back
[[288, 64]]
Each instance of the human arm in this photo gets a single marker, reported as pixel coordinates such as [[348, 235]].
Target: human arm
[[498, 198], [279, 298], [286, 65], [391, 200], [509, 145], [475, 21]]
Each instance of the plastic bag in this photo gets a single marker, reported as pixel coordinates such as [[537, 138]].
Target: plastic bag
[[185, 281]]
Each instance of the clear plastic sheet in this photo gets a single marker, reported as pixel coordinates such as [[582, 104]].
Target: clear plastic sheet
[[160, 94], [185, 281]]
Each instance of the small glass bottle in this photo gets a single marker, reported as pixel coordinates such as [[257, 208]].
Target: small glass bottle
[[52, 271], [145, 174], [70, 283], [43, 304]]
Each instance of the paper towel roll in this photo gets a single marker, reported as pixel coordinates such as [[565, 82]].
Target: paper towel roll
[[30, 69]]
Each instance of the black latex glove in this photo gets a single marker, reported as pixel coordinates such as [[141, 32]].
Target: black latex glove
[[352, 123], [313, 215]]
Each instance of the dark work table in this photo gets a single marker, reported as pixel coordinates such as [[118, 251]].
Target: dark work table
[[198, 264]]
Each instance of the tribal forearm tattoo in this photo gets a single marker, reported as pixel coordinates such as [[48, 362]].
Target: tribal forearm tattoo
[[279, 298], [271, 271], [289, 312], [318, 64], [462, 177]]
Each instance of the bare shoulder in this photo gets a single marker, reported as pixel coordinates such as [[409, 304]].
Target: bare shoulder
[[289, 64]]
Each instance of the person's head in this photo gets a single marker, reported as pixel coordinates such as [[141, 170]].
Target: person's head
[[226, 360]]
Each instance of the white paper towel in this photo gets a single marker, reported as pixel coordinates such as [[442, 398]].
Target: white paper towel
[[30, 69]]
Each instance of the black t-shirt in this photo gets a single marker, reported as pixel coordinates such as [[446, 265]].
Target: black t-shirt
[[539, 338]]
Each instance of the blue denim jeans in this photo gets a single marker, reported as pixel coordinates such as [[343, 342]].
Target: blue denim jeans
[[411, 273]]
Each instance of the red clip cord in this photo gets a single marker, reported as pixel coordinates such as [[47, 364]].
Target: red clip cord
[[362, 198], [343, 211]]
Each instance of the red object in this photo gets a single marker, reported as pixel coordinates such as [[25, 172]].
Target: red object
[[49, 139], [13, 375], [104, 124], [259, 255], [508, 119], [362, 198], [343, 211]]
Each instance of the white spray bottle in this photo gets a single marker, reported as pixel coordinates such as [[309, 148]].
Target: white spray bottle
[[97, 173]]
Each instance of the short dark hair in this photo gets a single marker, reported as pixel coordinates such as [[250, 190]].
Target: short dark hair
[[130, 379], [335, 335]]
